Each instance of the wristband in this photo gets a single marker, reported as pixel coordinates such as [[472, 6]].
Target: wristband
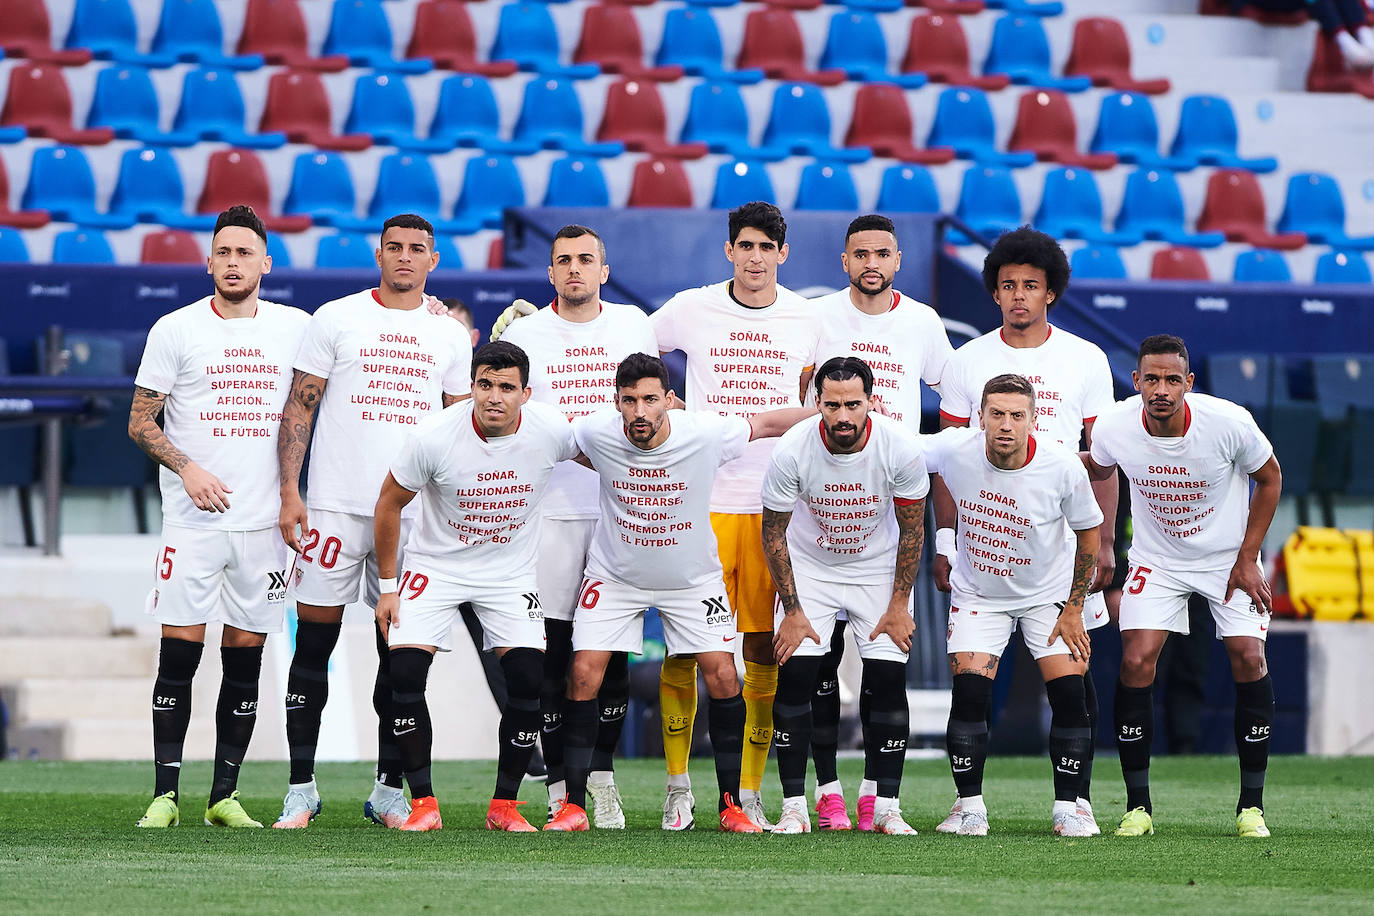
[[386, 586], [944, 542]]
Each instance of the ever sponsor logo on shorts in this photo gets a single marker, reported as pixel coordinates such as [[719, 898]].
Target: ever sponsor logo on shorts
[[276, 585]]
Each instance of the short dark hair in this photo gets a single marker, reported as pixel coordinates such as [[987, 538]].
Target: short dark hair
[[870, 222], [638, 366], [500, 354], [1162, 345], [410, 221], [842, 369], [241, 215], [760, 215], [574, 231], [1008, 383], [1028, 246]]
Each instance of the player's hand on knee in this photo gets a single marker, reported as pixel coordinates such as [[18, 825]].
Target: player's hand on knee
[[898, 624], [791, 632], [207, 492], [1106, 569], [1069, 627], [292, 516], [388, 612], [517, 309], [940, 570], [1247, 577]]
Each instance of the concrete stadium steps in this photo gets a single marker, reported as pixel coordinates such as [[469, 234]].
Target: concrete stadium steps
[[77, 657], [36, 616]]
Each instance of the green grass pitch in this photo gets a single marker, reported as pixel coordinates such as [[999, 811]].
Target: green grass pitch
[[67, 844]]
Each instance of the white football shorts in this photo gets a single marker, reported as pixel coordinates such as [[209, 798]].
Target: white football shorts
[[337, 551], [610, 618], [563, 544], [511, 614], [233, 577], [1153, 599], [823, 600]]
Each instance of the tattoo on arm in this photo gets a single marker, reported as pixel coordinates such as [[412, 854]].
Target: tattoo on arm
[[779, 558], [296, 420], [911, 529], [143, 429], [1084, 562]]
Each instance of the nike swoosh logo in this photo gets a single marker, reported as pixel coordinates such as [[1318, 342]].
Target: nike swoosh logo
[[163, 708], [677, 823], [1255, 740], [961, 769], [676, 731], [518, 744], [727, 639], [890, 750], [1062, 770], [230, 763], [1097, 615], [293, 708], [406, 732], [253, 713], [758, 743], [604, 719], [1136, 738]]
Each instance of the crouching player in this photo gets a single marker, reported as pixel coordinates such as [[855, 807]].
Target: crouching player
[[1016, 496], [480, 468], [845, 552], [654, 547]]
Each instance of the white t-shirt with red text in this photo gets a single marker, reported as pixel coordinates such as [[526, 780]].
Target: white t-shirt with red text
[[572, 367], [740, 361], [226, 382], [387, 369], [842, 520], [1013, 525], [1190, 494], [1071, 377], [655, 526], [480, 515], [903, 346]]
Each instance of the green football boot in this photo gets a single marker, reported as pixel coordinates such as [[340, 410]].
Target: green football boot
[[227, 812], [1136, 822], [163, 812]]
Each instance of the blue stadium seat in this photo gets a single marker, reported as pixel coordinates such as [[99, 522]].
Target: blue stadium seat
[[963, 121], [490, 184], [691, 40], [12, 247], [61, 182], [1261, 265], [447, 250], [109, 30], [1071, 208], [716, 116], [346, 249], [1097, 262], [277, 250], [908, 189], [526, 34], [383, 108], [855, 44], [576, 182], [212, 109], [191, 32], [739, 182], [551, 117], [321, 188], [988, 203], [1126, 125], [1342, 267], [1314, 206], [358, 30], [126, 102], [827, 186], [150, 190], [1027, 7], [1021, 49], [1207, 134], [467, 116], [800, 123], [82, 246], [1343, 381], [406, 183], [1152, 208], [1246, 379]]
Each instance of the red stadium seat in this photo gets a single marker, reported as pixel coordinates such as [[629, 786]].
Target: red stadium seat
[[1235, 207], [634, 115], [610, 37], [26, 31], [660, 183], [38, 99], [773, 44], [19, 219], [1102, 53], [1045, 126], [882, 122], [276, 30], [236, 176], [171, 246], [938, 47], [951, 7], [444, 33], [298, 106], [795, 4], [1329, 71], [1179, 264]]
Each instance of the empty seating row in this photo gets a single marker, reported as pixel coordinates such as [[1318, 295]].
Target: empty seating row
[[1260, 265]]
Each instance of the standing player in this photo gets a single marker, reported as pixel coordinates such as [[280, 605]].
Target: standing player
[[1025, 273], [574, 347], [221, 370], [846, 552], [903, 342], [750, 346], [373, 364], [1018, 498], [1198, 529], [481, 468], [654, 547]]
